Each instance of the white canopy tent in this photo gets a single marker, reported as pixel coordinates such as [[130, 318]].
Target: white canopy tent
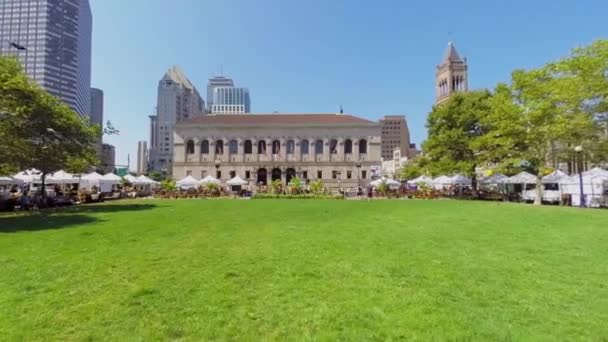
[[62, 177], [461, 180], [595, 187], [421, 179], [10, 181], [390, 182], [143, 180], [94, 179], [188, 182], [522, 178], [209, 179], [130, 178], [596, 171], [495, 179], [27, 177], [554, 177], [237, 181], [552, 189], [442, 181], [113, 178]]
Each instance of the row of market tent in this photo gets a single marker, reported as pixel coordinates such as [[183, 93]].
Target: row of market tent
[[104, 183], [190, 182], [555, 184]]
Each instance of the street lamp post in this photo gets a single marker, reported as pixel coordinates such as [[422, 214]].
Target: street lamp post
[[358, 166], [217, 166], [579, 152]]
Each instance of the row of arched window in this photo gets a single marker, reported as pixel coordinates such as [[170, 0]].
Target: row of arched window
[[275, 147]]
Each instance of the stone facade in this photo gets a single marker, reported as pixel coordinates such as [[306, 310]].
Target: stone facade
[[338, 149]]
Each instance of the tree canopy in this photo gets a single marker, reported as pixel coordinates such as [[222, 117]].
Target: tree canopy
[[37, 130], [534, 121], [454, 131]]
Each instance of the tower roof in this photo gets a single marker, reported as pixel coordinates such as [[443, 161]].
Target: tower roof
[[451, 55], [176, 75]]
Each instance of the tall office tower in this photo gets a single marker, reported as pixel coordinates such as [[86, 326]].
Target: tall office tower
[[178, 100], [52, 40], [142, 157], [451, 75], [395, 135], [97, 116], [231, 100], [216, 82]]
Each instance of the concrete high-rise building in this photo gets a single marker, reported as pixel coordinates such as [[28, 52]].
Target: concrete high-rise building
[[395, 136], [142, 157], [108, 158], [231, 100], [52, 40], [216, 82], [178, 100], [451, 75]]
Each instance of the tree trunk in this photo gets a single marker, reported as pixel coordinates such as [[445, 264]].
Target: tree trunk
[[538, 199], [474, 184], [42, 203]]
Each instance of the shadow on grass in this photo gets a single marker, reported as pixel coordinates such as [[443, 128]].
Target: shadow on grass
[[61, 218]]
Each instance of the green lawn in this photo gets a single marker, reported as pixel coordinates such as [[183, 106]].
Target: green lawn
[[276, 270]]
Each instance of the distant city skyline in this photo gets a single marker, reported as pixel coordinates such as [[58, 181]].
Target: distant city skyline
[[296, 58]]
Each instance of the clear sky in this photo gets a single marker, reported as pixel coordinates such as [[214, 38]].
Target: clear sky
[[373, 57]]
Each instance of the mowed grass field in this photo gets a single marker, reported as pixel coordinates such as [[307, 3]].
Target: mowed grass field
[[308, 269]]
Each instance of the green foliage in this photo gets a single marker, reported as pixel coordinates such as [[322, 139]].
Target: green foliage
[[316, 186], [277, 186], [156, 176], [383, 187], [211, 186], [415, 168], [37, 129], [454, 131], [296, 185], [168, 185]]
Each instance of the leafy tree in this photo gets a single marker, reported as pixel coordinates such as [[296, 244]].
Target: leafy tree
[[156, 176], [583, 78], [454, 131], [533, 117], [410, 171], [39, 131]]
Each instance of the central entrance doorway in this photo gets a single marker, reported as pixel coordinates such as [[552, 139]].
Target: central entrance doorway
[[262, 176], [276, 174], [289, 175]]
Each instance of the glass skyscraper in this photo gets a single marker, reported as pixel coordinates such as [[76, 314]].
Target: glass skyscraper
[[216, 82], [52, 39], [231, 100]]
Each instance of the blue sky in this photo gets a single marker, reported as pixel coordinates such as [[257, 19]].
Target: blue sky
[[373, 57]]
